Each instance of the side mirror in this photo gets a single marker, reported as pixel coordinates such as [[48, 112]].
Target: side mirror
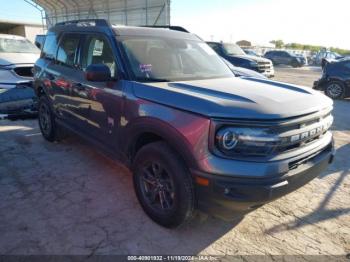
[[98, 73], [39, 41]]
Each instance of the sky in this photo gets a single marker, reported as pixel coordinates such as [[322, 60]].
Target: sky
[[319, 22]]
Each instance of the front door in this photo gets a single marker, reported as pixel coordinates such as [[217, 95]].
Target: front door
[[101, 109]]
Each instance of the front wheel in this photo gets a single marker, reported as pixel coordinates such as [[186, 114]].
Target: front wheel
[[163, 185], [295, 64], [335, 90]]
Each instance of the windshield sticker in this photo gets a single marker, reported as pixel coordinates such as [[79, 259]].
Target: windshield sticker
[[145, 68]]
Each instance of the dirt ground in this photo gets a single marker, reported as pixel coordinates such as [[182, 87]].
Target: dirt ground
[[67, 199]]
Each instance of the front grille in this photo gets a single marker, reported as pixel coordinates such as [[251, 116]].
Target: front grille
[[305, 131], [264, 66], [24, 71]]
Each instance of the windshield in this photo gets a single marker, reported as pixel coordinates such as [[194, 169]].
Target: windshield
[[8, 45], [232, 49], [165, 59]]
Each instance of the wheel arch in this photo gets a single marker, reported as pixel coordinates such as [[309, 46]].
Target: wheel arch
[[147, 130]]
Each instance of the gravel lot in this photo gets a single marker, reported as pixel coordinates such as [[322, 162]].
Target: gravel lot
[[68, 199]]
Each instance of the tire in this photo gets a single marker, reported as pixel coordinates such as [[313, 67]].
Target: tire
[[163, 185], [295, 64], [47, 123], [335, 90]]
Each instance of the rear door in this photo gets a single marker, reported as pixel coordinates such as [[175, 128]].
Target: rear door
[[66, 79], [286, 58]]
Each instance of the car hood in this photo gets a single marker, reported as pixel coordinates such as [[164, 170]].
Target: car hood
[[241, 98], [251, 58], [7, 59]]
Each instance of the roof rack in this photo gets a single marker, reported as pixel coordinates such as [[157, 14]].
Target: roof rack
[[170, 27], [85, 22]]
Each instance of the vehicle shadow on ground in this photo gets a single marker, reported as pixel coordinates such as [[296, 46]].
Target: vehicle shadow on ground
[[81, 202], [192, 238], [322, 213]]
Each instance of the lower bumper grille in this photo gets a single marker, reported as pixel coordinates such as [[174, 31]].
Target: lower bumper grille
[[24, 71]]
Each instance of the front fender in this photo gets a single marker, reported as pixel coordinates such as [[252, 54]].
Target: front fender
[[185, 132]]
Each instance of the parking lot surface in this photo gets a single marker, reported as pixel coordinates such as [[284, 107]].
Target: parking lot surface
[[67, 198]]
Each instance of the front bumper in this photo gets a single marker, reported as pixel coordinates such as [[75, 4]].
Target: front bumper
[[320, 84], [225, 196], [269, 73], [18, 101]]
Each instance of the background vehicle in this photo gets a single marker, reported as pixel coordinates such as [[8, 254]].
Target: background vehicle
[[251, 52], [325, 54], [335, 80], [17, 57], [285, 58], [193, 134], [243, 72], [236, 56]]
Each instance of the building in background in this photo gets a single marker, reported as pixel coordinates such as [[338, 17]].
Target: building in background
[[27, 30]]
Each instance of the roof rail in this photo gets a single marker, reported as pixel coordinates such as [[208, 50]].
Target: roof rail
[[85, 22], [171, 27]]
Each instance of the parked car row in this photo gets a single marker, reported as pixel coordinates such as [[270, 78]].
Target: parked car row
[[319, 58], [236, 56]]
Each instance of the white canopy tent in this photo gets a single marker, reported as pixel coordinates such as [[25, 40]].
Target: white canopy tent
[[126, 12]]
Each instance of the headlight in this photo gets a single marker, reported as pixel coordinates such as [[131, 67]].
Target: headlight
[[253, 64], [243, 140], [228, 139], [235, 141]]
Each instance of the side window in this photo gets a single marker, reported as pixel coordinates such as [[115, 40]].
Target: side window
[[96, 50], [50, 46], [67, 49]]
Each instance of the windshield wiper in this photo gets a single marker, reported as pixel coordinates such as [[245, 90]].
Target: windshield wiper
[[153, 80]]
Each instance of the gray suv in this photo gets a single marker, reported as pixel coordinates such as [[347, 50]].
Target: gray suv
[[165, 104]]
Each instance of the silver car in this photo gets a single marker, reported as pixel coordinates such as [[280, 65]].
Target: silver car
[[17, 58]]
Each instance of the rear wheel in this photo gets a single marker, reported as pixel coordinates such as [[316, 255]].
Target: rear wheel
[[47, 123], [163, 185], [335, 90]]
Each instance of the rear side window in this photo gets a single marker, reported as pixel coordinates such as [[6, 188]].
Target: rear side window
[[67, 49], [50, 46]]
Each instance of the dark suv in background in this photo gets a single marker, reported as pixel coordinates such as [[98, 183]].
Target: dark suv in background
[[285, 58], [236, 56], [166, 105], [335, 80]]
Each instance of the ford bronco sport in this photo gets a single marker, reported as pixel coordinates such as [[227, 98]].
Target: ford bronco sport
[[165, 104]]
